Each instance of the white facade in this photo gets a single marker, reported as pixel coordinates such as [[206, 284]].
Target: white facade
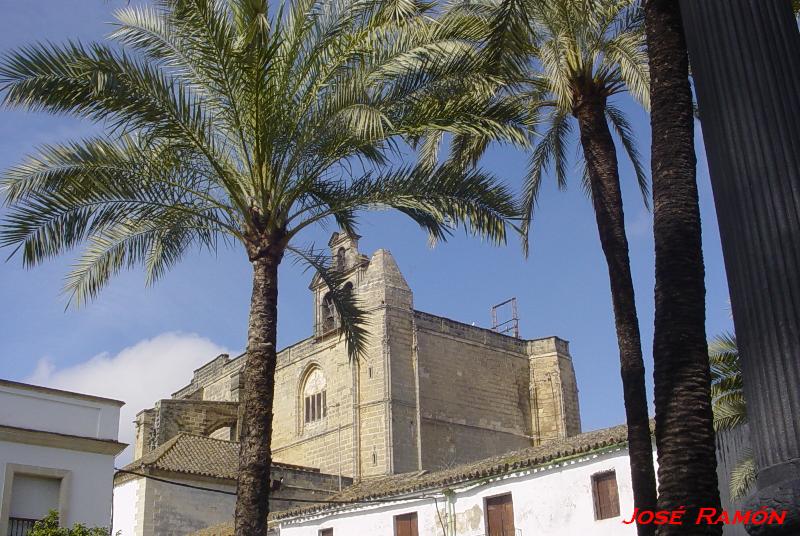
[[57, 452], [144, 506], [554, 500]]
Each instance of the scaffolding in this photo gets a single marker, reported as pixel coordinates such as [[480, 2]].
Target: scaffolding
[[509, 326]]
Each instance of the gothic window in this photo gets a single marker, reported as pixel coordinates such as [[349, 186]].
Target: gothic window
[[315, 406]]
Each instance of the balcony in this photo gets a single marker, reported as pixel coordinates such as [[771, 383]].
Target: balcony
[[18, 526]]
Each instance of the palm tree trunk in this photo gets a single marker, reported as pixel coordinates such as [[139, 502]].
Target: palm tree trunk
[[684, 433], [601, 161], [255, 455]]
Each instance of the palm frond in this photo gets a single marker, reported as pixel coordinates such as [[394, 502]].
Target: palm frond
[[727, 386], [551, 150], [626, 135], [743, 476], [352, 317]]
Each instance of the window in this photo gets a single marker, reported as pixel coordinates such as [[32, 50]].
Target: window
[[315, 404], [316, 407], [341, 259], [328, 316], [326, 532], [500, 516], [406, 525], [606, 497], [32, 497]]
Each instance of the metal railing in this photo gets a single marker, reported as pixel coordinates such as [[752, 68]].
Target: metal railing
[[18, 526]]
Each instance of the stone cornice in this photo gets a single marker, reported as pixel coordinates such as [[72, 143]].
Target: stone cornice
[[25, 436]]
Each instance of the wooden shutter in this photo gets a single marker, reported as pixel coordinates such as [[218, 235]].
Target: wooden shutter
[[606, 495], [406, 525], [500, 516]]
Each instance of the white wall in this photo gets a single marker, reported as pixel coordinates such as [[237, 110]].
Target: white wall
[[125, 507], [556, 501], [145, 507], [63, 413], [90, 482]]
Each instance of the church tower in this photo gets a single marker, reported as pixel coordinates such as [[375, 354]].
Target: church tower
[[428, 392]]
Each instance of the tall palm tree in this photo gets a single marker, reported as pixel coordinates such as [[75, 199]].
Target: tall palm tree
[[227, 123], [684, 421], [728, 404], [567, 61]]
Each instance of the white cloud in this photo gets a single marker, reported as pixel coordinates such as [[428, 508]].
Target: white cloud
[[139, 375]]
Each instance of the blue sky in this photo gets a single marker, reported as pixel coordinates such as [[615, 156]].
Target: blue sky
[[201, 307]]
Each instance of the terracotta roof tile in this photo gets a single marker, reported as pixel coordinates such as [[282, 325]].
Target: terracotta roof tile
[[395, 485], [198, 455]]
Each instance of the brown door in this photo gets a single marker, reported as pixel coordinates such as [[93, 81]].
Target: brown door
[[500, 516], [406, 525], [326, 532]]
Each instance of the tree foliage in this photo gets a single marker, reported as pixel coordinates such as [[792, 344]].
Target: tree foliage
[[49, 527], [730, 408], [235, 122], [552, 53]]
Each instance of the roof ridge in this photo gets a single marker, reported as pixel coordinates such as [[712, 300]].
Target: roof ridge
[[189, 434], [153, 456], [512, 461]]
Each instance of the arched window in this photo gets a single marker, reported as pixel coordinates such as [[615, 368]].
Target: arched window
[[341, 259], [327, 314], [315, 406]]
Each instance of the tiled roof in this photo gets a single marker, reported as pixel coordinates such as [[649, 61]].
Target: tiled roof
[[402, 484], [223, 529], [421, 481], [197, 455]]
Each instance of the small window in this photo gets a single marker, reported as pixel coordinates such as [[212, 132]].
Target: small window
[[326, 532], [605, 494], [406, 525], [32, 497], [328, 317], [500, 516], [341, 259]]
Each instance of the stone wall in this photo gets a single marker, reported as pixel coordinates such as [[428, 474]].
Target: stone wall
[[428, 392], [481, 393], [170, 417], [160, 508]]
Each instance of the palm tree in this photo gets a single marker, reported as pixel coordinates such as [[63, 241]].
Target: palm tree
[[728, 404], [227, 123], [567, 61], [684, 421]]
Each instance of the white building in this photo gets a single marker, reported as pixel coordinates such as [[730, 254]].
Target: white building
[[574, 487], [57, 452], [189, 483]]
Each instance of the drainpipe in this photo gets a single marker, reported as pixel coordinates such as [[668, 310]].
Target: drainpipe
[[450, 498]]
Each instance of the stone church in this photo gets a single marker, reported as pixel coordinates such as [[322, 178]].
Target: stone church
[[429, 393]]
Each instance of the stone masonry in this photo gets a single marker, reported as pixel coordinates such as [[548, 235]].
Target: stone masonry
[[430, 392]]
